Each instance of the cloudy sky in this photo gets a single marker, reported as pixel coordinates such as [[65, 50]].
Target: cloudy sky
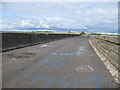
[[61, 16]]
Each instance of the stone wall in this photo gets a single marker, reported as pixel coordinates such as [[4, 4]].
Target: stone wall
[[17, 40], [108, 46]]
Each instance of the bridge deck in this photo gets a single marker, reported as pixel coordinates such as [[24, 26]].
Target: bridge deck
[[67, 63]]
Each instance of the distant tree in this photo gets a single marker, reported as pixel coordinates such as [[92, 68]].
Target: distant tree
[[82, 33], [95, 34]]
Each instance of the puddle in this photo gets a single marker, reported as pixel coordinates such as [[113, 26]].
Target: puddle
[[83, 68]]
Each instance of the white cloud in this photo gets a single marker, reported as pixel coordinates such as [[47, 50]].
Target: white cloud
[[50, 19], [109, 22], [65, 15], [45, 26], [28, 22], [60, 0], [85, 28], [24, 23], [7, 27], [34, 23]]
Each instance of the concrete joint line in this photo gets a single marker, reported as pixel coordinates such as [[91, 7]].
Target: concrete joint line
[[109, 66]]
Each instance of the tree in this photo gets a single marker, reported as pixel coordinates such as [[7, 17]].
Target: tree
[[82, 33]]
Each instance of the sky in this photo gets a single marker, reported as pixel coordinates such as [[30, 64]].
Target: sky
[[60, 16]]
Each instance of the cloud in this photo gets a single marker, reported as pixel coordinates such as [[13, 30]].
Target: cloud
[[33, 23], [25, 23], [109, 22], [85, 27], [60, 0], [52, 19], [82, 15], [7, 27], [43, 26]]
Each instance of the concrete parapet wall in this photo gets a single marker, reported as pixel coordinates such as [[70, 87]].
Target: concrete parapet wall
[[108, 46], [14, 40]]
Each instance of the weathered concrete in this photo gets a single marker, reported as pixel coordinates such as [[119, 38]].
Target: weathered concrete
[[108, 47], [67, 63]]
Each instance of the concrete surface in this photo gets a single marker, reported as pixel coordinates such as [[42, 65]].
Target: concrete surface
[[114, 71], [108, 46], [67, 63]]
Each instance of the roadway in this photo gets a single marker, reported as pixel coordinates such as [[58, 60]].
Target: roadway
[[66, 63]]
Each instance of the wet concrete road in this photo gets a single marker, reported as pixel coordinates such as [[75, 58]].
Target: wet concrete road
[[67, 63]]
